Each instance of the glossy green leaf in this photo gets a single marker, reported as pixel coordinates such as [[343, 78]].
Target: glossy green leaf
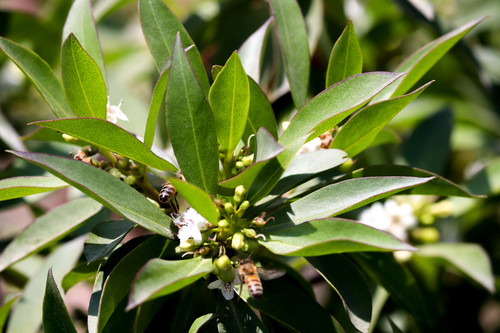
[[47, 134], [104, 237], [200, 321], [118, 283], [155, 106], [160, 26], [328, 236], [82, 272], [5, 309], [434, 131], [80, 22], [397, 280], [417, 64], [292, 35], [437, 186], [27, 315], [290, 305], [191, 124], [104, 188], [470, 259], [334, 104], [42, 76], [229, 99], [237, 316], [347, 280], [104, 134], [251, 51], [18, 187], [47, 229], [342, 197], [267, 148], [260, 113], [162, 277], [198, 199], [83, 82], [93, 312], [363, 127], [346, 58], [55, 315]]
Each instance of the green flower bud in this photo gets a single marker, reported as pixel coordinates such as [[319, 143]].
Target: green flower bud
[[69, 139], [442, 208], [426, 234], [238, 241], [130, 180], [240, 191], [223, 264], [229, 208], [347, 165], [122, 164], [243, 207], [234, 171], [223, 223], [203, 251], [115, 173], [250, 233], [239, 165], [188, 245], [247, 160]]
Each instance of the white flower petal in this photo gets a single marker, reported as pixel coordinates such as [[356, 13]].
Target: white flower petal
[[227, 291], [215, 284]]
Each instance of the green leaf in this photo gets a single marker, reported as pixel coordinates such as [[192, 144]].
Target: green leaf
[[83, 82], [328, 236], [437, 186], [104, 237], [251, 51], [155, 106], [417, 64], [104, 134], [200, 321], [27, 315], [334, 104], [292, 35], [198, 199], [470, 259], [80, 273], [160, 26], [47, 134], [229, 99], [18, 187], [118, 283], [47, 229], [237, 316], [350, 284], [434, 132], [55, 315], [42, 76], [267, 148], [290, 305], [5, 309], [191, 124], [363, 127], [104, 188], [397, 280], [162, 277], [346, 58], [80, 22], [260, 113], [342, 197]]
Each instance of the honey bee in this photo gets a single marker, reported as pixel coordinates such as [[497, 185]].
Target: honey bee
[[249, 273], [167, 194]]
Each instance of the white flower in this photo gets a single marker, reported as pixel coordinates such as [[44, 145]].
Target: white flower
[[114, 112], [313, 145], [395, 218], [227, 289], [190, 223]]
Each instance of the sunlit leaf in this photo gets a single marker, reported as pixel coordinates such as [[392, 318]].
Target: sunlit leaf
[[346, 58], [251, 51], [55, 315], [83, 81], [154, 109], [104, 237], [162, 277], [342, 197], [5, 309], [18, 187], [191, 124], [80, 273], [198, 199], [104, 188], [292, 35], [104, 134], [260, 113], [42, 76], [48, 228], [328, 236]]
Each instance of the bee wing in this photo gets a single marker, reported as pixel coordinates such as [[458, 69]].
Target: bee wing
[[270, 273]]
